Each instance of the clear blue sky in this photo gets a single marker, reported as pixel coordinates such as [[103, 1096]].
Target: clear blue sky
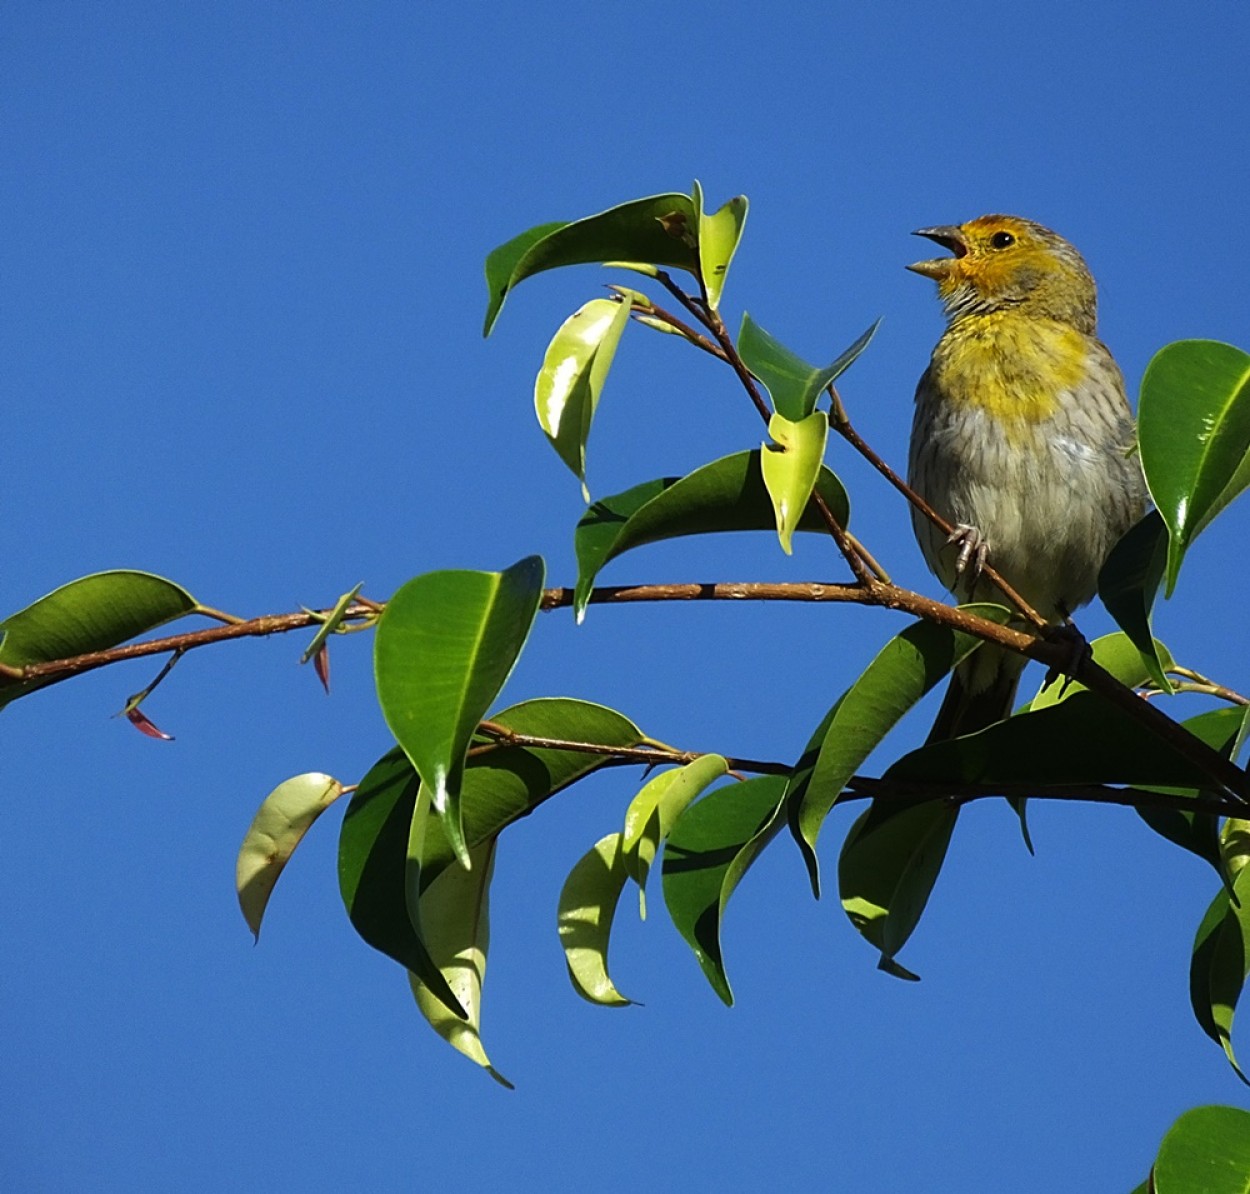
[[240, 321]]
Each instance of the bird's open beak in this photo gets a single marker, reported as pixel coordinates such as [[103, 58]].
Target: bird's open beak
[[949, 237]]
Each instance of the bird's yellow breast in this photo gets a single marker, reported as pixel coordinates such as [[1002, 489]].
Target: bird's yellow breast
[[1013, 367]]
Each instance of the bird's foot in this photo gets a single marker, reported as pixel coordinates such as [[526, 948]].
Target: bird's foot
[[1078, 651], [973, 549]]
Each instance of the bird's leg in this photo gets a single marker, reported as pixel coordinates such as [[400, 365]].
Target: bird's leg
[[973, 547]]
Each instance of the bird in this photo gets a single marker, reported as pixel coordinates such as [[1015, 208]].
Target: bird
[[1022, 439]]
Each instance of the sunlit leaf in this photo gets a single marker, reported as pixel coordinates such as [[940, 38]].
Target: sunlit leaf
[[1207, 1151], [790, 466], [659, 230], [794, 385], [443, 649], [1117, 654], [653, 811], [1128, 584], [719, 234], [886, 872], [710, 848], [281, 822], [587, 907], [1194, 431], [568, 386], [92, 613], [906, 668], [727, 495], [455, 924], [330, 623]]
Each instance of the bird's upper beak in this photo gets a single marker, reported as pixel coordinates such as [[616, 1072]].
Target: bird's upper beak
[[949, 236]]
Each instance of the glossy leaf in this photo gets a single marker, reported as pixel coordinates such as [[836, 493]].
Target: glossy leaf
[[653, 811], [1194, 431], [790, 466], [568, 386], [1207, 1151], [281, 822], [443, 649], [719, 234], [1220, 964], [727, 495], [92, 613], [455, 922], [659, 230], [886, 872], [373, 869], [1128, 584], [906, 668], [710, 848], [588, 903], [795, 386]]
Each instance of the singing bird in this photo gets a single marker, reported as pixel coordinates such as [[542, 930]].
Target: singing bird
[[1022, 439]]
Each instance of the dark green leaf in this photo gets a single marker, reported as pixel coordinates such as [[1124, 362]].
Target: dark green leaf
[[1194, 431], [1220, 963], [708, 851], [373, 848], [444, 648], [906, 668], [660, 230], [795, 386], [92, 613], [1129, 582], [889, 863], [727, 495]]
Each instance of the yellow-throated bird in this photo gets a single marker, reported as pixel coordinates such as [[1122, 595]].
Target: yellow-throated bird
[[1022, 439]]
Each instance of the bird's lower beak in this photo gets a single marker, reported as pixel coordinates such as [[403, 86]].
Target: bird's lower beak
[[948, 236]]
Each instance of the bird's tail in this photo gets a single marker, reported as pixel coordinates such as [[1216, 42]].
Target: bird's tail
[[982, 691]]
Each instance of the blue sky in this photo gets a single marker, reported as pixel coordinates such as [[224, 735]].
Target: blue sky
[[241, 322]]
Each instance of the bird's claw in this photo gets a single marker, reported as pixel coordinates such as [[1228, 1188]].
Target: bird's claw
[[1078, 649], [973, 548]]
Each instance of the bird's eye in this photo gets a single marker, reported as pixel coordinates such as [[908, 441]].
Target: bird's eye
[[1001, 240]]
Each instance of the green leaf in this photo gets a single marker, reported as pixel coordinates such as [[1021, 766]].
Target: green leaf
[[504, 783], [1194, 431], [1207, 1151], [444, 647], [1128, 584], [659, 230], [1220, 963], [454, 916], [653, 811], [727, 495], [1199, 832], [790, 466], [588, 903], [283, 818], [795, 385], [331, 622], [92, 613], [373, 867], [906, 668], [710, 848], [719, 235], [886, 872], [567, 389], [1102, 744], [1119, 655]]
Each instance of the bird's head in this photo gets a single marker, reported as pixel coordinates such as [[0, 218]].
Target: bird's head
[[1001, 262]]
